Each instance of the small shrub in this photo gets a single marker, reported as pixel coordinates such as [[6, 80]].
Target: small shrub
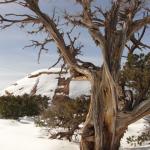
[[66, 114], [18, 106], [143, 137]]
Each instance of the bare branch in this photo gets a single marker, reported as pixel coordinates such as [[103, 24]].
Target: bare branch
[[93, 29], [34, 88], [59, 59], [137, 25], [8, 1], [40, 45], [39, 29], [126, 118], [44, 72], [75, 49], [55, 34], [88, 65], [86, 20], [101, 11], [23, 19], [137, 43]]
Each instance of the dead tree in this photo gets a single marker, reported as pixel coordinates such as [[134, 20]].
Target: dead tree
[[111, 30]]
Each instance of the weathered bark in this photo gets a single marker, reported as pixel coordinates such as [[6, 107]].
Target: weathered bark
[[99, 132], [105, 125]]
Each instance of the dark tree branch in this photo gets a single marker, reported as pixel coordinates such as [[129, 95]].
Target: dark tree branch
[[8, 1], [39, 29], [40, 45], [25, 19], [57, 62], [137, 43]]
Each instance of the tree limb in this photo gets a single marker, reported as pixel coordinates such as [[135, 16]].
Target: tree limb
[[126, 118], [89, 22], [8, 1], [58, 38], [137, 25], [24, 19], [137, 43]]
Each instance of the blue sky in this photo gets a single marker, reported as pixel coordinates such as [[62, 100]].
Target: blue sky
[[16, 62]]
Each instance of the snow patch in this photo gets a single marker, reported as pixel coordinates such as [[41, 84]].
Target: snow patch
[[78, 88], [24, 135]]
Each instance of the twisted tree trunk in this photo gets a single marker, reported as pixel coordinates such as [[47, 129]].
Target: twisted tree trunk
[[99, 132]]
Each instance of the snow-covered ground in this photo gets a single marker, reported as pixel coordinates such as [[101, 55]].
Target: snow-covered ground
[[24, 135], [134, 129]]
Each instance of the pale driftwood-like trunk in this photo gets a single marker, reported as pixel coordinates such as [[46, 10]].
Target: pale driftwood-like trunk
[[105, 125], [99, 132]]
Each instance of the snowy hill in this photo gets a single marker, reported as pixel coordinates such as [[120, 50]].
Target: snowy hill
[[45, 82]]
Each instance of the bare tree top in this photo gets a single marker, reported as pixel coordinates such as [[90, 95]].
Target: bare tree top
[[125, 20]]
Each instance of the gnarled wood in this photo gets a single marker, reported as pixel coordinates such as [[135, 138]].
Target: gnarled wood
[[101, 120]]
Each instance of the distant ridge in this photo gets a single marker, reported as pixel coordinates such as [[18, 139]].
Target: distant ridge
[[48, 82]]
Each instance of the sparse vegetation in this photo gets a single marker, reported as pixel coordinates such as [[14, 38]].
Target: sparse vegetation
[[18, 106], [139, 140], [66, 114], [136, 78]]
